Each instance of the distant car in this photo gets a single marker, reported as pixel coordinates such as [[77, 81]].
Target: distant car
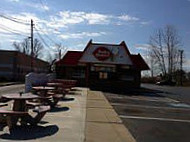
[[166, 82]]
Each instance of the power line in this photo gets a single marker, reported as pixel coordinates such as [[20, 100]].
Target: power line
[[14, 20], [42, 4], [47, 14], [46, 35], [11, 30], [43, 40], [18, 19]]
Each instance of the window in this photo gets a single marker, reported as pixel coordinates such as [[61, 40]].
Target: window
[[79, 73], [101, 68], [103, 75]]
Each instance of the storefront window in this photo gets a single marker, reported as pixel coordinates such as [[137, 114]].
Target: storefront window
[[103, 75], [79, 73], [102, 68], [126, 78]]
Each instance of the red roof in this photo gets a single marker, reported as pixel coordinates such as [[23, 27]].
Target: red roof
[[139, 62], [71, 58]]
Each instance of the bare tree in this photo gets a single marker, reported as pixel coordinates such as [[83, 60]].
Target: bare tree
[[164, 47], [37, 49], [59, 51], [153, 63], [25, 47]]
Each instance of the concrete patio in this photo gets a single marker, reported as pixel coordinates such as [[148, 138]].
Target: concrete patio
[[84, 116]]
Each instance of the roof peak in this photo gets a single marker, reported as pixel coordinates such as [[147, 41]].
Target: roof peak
[[74, 51], [103, 43]]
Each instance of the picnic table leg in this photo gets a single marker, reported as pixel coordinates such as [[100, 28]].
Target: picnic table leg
[[11, 121], [19, 105], [28, 119], [34, 120], [55, 101]]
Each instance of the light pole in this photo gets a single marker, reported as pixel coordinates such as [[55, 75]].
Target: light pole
[[32, 49], [181, 67]]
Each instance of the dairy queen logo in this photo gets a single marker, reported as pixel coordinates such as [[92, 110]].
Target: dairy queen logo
[[102, 53]]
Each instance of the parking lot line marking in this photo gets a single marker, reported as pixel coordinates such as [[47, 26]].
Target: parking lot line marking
[[154, 118], [145, 106], [165, 99]]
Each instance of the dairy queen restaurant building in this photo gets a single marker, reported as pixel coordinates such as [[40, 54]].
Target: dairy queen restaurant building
[[102, 66]]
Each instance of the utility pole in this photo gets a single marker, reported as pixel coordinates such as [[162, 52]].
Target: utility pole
[[32, 48], [181, 67]]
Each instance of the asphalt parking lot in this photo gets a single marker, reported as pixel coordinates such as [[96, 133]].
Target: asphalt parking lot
[[151, 117]]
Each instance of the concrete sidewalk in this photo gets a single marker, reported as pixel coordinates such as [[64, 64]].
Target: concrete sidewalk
[[85, 116], [102, 122]]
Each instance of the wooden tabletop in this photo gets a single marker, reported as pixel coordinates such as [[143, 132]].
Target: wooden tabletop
[[18, 96], [43, 88], [55, 84]]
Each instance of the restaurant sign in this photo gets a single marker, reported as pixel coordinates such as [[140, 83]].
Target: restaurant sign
[[102, 53]]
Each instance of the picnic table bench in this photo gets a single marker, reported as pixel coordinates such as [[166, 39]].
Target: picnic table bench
[[11, 117], [41, 111], [3, 104], [66, 84], [20, 111], [47, 95]]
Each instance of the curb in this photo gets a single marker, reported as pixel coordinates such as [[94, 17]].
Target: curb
[[11, 83]]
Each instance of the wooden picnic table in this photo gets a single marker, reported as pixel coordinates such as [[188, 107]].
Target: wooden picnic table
[[52, 84], [19, 103], [20, 110], [48, 98], [42, 90], [58, 87]]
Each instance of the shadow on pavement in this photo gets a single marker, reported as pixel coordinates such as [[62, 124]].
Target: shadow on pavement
[[65, 99], [30, 132], [132, 91], [74, 93], [74, 89], [58, 109]]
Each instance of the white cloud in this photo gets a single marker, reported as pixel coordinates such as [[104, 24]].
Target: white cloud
[[45, 7], [8, 26], [186, 65], [14, 0], [142, 46], [145, 22], [53, 26], [65, 18], [81, 35], [11, 27], [14, 40], [96, 18], [128, 18], [37, 6]]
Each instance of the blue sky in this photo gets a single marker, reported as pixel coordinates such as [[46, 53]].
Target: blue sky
[[74, 22]]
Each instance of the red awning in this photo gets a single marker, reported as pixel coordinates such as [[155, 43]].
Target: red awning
[[71, 58], [139, 62]]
